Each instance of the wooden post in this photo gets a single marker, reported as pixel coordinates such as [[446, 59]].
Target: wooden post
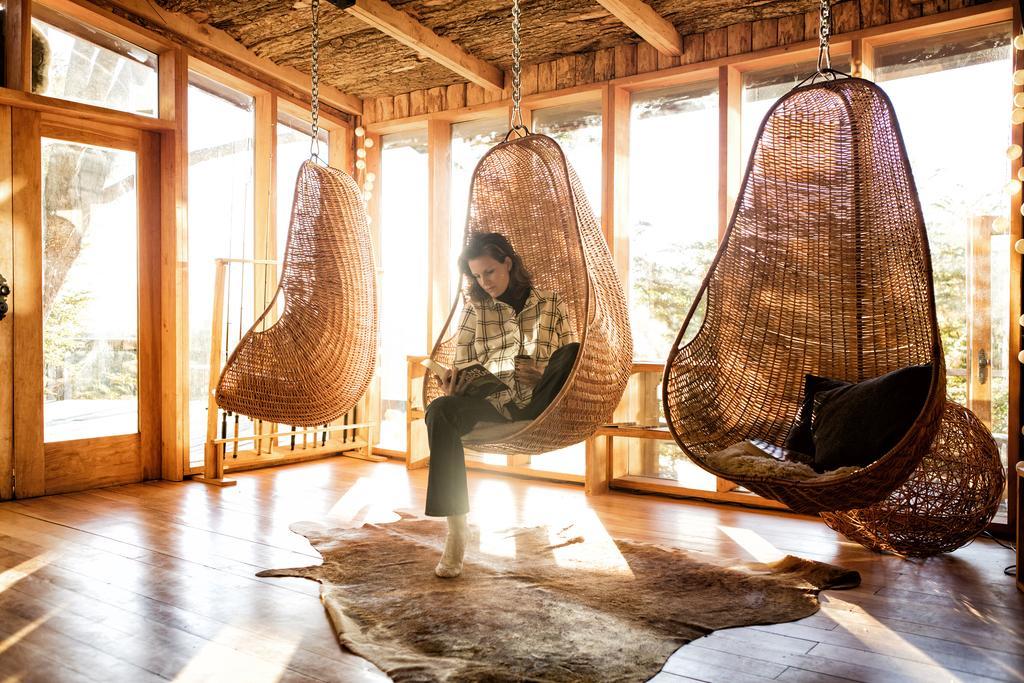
[[7, 324], [265, 226], [439, 160], [150, 212], [417, 452], [862, 59], [18, 45], [174, 351], [213, 471], [730, 144], [979, 318], [598, 471], [26, 303]]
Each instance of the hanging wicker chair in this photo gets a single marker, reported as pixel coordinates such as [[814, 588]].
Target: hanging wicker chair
[[525, 190], [313, 364], [824, 269]]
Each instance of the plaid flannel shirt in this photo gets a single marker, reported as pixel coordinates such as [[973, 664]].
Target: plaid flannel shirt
[[492, 334]]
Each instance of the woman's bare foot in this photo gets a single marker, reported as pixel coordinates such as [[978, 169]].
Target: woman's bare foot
[[450, 565]]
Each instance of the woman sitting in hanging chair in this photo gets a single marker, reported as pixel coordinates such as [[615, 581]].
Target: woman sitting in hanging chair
[[519, 334]]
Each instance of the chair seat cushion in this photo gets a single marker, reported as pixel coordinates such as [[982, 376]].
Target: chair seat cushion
[[760, 460]]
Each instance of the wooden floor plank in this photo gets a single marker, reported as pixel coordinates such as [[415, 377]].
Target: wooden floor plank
[[110, 576]]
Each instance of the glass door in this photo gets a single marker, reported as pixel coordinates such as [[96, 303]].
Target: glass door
[[88, 321]]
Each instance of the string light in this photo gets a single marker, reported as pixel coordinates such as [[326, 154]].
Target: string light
[[360, 131], [360, 164], [361, 153], [1013, 187], [369, 141], [1013, 152], [1017, 116], [1000, 225], [371, 176]]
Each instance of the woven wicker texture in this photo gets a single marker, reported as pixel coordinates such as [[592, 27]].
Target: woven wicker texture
[[948, 500], [315, 362], [824, 269], [525, 190]]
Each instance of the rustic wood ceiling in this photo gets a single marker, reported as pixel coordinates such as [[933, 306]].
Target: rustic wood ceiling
[[362, 61]]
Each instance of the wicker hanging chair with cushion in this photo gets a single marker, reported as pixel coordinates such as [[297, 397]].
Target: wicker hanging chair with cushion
[[525, 190], [824, 269], [314, 363]]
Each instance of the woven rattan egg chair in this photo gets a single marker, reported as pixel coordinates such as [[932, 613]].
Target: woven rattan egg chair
[[525, 190], [824, 269], [313, 364]]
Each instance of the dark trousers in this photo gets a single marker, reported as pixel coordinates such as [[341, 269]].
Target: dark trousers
[[449, 418]]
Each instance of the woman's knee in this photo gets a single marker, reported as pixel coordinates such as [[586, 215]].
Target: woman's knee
[[441, 408]]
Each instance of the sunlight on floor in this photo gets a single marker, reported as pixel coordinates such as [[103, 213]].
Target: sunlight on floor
[[599, 554], [370, 500], [875, 635], [9, 577], [218, 660], [753, 544], [13, 639], [496, 516]]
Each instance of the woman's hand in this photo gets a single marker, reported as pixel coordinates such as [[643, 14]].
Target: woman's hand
[[451, 384], [528, 373]]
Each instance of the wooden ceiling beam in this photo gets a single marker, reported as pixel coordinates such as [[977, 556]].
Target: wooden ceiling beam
[[650, 25], [408, 31], [214, 39]]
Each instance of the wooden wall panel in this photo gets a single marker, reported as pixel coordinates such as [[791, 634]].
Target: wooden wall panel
[[604, 64], [716, 43], [565, 72], [625, 60], [646, 58], [764, 34], [738, 38], [874, 12], [791, 29]]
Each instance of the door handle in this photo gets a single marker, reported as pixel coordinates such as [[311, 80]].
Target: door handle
[[5, 290], [983, 364]]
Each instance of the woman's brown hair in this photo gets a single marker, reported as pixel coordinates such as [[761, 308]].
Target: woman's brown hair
[[498, 248]]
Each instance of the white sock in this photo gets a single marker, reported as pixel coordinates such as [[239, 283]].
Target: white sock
[[450, 565]]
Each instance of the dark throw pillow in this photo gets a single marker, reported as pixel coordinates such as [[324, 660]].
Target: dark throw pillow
[[801, 436], [856, 424]]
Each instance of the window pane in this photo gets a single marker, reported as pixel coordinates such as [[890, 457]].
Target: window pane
[[91, 66], [470, 141], [90, 291], [403, 312], [577, 129], [673, 235], [673, 209], [220, 225], [293, 137], [762, 89], [962, 82]]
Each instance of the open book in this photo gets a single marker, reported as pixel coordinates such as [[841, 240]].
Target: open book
[[477, 381]]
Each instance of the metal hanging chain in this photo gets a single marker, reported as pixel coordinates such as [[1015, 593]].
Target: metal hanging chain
[[314, 143], [824, 58], [517, 93]]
